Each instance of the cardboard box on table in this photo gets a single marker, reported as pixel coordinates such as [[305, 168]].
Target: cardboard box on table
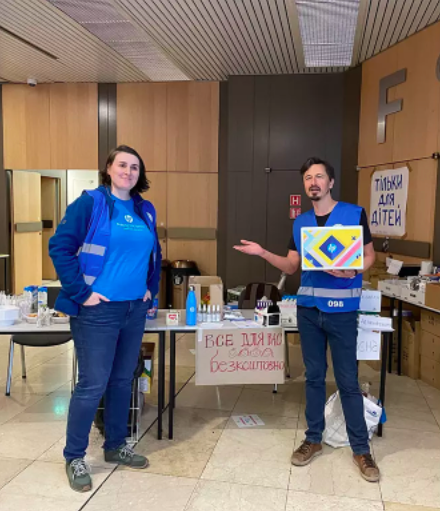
[[204, 285], [432, 296]]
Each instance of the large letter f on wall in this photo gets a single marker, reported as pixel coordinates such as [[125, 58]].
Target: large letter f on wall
[[386, 108]]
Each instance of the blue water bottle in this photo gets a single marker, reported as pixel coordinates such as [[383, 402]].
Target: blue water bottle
[[191, 308]]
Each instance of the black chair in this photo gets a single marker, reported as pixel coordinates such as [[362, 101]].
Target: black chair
[[255, 291], [40, 339]]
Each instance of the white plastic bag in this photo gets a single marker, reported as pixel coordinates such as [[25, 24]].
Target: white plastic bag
[[335, 433]]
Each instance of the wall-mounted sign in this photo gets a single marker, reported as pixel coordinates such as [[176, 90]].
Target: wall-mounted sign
[[295, 200], [294, 213], [386, 108], [389, 194]]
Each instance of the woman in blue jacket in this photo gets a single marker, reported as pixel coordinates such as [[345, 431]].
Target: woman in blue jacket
[[107, 255]]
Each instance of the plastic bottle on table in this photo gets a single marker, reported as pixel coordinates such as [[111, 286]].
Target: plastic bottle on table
[[191, 308]]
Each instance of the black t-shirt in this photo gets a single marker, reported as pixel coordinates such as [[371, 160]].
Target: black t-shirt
[[321, 221]]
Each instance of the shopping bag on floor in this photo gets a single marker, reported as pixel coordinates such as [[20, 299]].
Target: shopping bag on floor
[[335, 433]]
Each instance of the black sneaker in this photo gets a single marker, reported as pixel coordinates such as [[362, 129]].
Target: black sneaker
[[124, 455], [78, 473]]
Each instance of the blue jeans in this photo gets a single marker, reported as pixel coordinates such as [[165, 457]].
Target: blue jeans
[[107, 339], [339, 329]]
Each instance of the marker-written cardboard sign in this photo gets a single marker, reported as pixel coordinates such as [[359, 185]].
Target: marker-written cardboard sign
[[240, 356], [378, 323], [368, 345]]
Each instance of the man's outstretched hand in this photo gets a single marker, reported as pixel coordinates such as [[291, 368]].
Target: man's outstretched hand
[[250, 248]]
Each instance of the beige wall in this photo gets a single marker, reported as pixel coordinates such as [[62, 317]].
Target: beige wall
[[174, 126], [412, 134]]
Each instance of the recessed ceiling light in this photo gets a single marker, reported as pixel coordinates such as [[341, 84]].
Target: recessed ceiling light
[[328, 29]]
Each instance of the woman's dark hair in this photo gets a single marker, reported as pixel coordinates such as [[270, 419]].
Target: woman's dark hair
[[142, 184], [317, 161]]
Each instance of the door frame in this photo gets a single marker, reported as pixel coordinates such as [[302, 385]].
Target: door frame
[[61, 176]]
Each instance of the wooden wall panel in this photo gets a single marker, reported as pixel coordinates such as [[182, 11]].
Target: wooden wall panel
[[364, 191], [413, 134], [192, 126], [203, 252], [142, 121], [421, 200], [157, 195], [370, 152], [26, 127], [192, 200], [416, 127], [74, 125], [51, 126]]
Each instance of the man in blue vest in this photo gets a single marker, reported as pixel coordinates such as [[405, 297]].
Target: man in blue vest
[[327, 305]]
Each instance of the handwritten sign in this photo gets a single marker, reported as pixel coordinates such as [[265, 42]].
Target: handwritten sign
[[373, 322], [368, 345], [389, 194], [240, 356], [370, 301]]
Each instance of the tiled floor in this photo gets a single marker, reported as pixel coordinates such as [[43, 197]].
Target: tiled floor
[[212, 465]]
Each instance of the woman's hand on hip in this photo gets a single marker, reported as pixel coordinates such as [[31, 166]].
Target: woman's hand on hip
[[147, 296], [95, 299]]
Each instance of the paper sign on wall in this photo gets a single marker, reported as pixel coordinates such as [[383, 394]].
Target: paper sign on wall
[[389, 194], [368, 345], [239, 356]]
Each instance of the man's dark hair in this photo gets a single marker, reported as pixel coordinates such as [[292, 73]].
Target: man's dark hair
[[142, 184], [317, 161]]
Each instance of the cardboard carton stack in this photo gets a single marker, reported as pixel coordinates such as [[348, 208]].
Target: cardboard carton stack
[[376, 273], [430, 348]]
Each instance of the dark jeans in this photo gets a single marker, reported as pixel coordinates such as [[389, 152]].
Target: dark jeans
[[107, 340], [340, 330]]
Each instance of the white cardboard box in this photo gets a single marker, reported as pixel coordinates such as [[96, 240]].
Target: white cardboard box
[[412, 296], [391, 287]]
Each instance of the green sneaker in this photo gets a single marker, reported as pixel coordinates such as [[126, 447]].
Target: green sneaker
[[125, 455], [78, 473]]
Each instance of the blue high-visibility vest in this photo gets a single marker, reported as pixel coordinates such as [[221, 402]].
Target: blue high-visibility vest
[[92, 253], [319, 289]]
